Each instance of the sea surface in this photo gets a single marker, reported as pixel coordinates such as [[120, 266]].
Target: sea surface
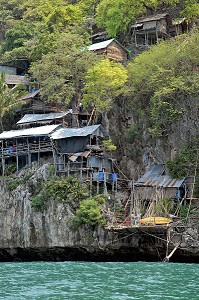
[[88, 280]]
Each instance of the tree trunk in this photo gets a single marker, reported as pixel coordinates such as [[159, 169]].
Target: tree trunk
[[106, 122], [1, 123]]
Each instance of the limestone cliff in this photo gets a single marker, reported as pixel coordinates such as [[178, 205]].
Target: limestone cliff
[[27, 234]]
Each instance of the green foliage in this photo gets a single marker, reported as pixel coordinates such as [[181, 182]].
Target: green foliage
[[65, 189], [38, 202], [132, 133], [164, 74], [9, 98], [10, 169], [184, 164], [117, 15], [187, 211], [12, 184], [165, 207], [51, 170], [108, 145], [104, 81], [61, 72], [90, 212], [61, 189]]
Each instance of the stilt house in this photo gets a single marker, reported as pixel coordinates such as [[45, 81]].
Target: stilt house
[[25, 146], [78, 150], [148, 30], [156, 184], [74, 150]]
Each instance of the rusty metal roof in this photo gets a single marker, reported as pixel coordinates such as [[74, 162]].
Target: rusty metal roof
[[155, 177]]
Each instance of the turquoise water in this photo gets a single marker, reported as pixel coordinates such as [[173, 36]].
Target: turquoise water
[[88, 280]]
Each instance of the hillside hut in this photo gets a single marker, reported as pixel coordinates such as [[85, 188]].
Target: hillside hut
[[110, 48], [12, 76], [156, 184], [25, 145], [34, 104], [148, 30], [78, 150]]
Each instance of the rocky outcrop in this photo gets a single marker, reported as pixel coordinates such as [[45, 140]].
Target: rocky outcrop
[[27, 234]]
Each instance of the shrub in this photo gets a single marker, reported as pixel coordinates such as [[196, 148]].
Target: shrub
[[90, 212], [12, 184], [65, 189], [38, 202], [132, 132], [10, 169], [108, 145]]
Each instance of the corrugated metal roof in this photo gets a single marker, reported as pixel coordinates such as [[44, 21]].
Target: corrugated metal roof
[[154, 171], [31, 118], [101, 45], [29, 95], [74, 132], [37, 131], [152, 18], [154, 178]]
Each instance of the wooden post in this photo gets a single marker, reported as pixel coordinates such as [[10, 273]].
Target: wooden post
[[131, 203], [2, 160], [105, 186], [81, 166], [17, 157], [39, 151], [68, 168], [91, 184], [29, 154], [54, 159], [156, 36], [97, 187]]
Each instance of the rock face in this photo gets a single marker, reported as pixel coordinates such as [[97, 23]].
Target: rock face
[[29, 235], [136, 155]]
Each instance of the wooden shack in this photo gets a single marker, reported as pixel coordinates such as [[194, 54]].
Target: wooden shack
[[111, 48], [157, 184], [34, 104], [77, 150], [148, 30], [25, 145]]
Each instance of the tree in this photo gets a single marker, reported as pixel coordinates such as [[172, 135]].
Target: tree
[[9, 98], [116, 16], [61, 73], [104, 81]]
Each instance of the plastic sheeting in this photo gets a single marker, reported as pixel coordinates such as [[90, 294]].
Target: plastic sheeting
[[72, 145]]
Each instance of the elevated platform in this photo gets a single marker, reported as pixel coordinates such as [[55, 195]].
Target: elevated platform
[[142, 229]]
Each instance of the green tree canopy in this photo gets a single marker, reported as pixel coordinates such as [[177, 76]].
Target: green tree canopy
[[164, 74], [104, 81], [61, 73], [117, 15], [9, 98]]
